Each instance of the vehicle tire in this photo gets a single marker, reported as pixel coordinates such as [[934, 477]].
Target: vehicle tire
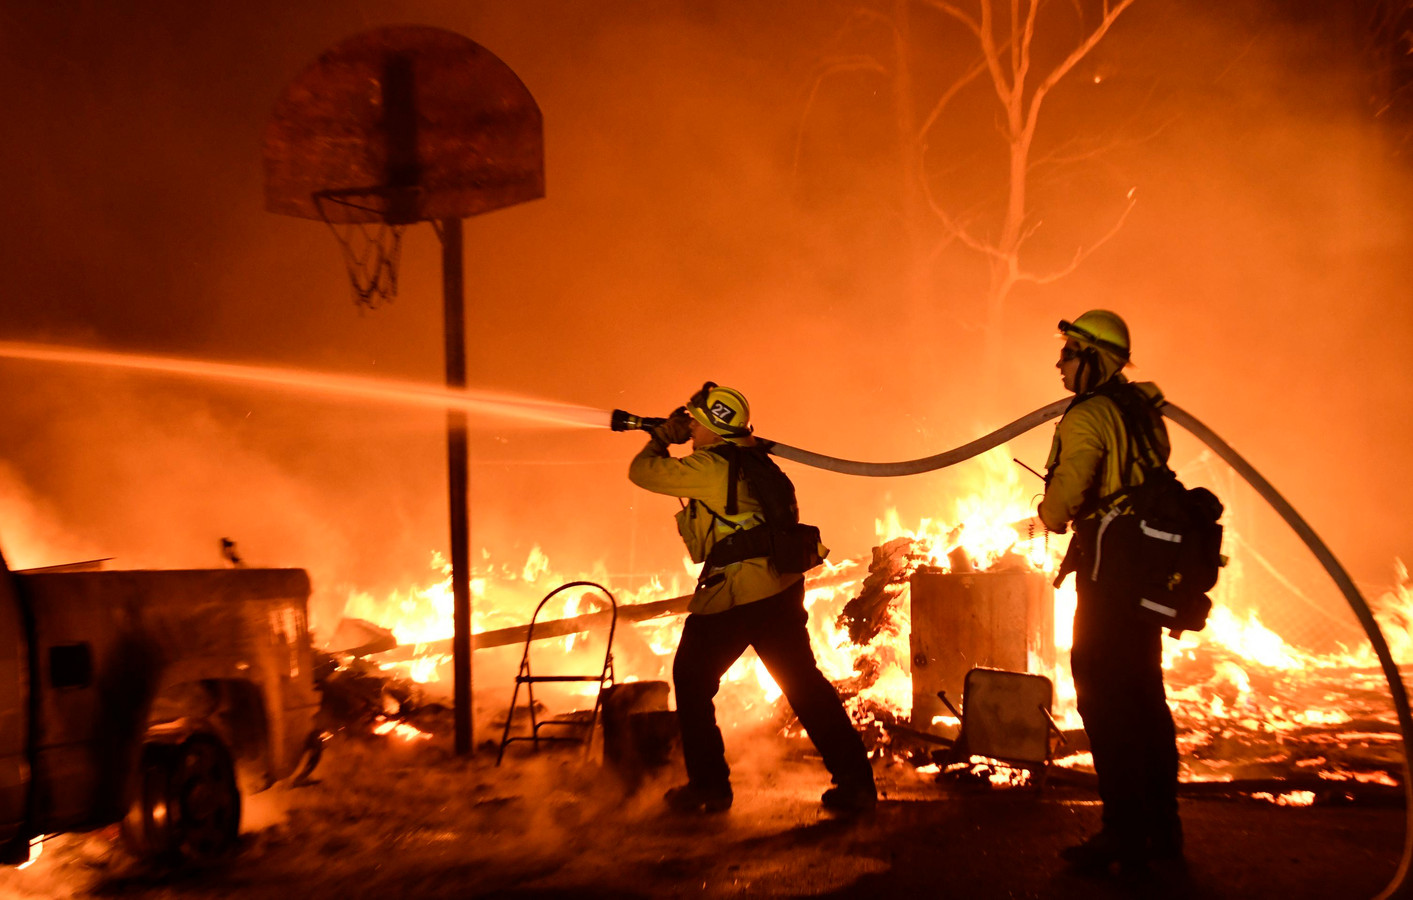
[[187, 803], [146, 827]]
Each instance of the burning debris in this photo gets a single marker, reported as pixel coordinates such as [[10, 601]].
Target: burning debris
[[1253, 714]]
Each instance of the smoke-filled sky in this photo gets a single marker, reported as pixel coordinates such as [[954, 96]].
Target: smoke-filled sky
[[722, 203]]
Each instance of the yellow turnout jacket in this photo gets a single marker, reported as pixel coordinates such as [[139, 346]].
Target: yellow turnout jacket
[[1092, 457], [700, 479]]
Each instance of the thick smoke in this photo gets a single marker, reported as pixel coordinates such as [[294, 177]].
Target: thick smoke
[[709, 215]]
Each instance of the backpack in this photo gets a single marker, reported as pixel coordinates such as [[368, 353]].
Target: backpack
[[1162, 550], [791, 546]]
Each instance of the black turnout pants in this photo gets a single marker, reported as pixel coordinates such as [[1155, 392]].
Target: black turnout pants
[[775, 627], [1118, 679]]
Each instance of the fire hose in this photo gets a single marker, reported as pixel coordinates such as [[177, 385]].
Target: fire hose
[[1395, 887]]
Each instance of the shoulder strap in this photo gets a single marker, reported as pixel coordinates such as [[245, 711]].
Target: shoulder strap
[[734, 526], [770, 486], [732, 454], [1136, 414]]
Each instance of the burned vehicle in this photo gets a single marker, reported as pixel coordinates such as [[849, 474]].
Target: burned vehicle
[[151, 699]]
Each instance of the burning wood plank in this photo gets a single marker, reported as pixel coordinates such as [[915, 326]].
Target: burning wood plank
[[517, 634]]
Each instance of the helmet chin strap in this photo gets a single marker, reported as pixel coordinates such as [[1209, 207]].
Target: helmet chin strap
[[1086, 377]]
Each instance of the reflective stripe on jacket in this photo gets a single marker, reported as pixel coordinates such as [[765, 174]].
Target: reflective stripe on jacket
[[1088, 457], [701, 480]]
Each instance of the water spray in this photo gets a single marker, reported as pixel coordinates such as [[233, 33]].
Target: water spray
[[405, 393]]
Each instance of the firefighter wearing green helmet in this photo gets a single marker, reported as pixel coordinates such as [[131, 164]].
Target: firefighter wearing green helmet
[[1116, 657], [740, 602]]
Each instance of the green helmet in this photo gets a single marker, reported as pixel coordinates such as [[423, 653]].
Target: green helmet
[[1102, 329], [722, 410]]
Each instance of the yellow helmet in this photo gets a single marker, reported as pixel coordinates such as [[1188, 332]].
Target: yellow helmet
[[722, 410], [1102, 329]]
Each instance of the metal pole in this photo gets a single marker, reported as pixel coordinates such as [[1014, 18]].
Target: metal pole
[[458, 482]]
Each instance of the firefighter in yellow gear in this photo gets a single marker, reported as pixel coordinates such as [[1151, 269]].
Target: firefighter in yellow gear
[[1116, 657], [740, 604], [701, 479]]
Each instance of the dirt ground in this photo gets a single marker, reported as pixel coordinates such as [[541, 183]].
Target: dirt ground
[[388, 819]]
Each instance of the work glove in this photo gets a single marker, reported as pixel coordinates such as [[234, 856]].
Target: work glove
[[676, 429]]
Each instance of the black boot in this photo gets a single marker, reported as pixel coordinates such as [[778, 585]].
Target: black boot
[[1165, 850], [1096, 854], [851, 799], [694, 799]]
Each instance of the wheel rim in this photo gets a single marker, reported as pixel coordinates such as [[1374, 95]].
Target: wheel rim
[[203, 800]]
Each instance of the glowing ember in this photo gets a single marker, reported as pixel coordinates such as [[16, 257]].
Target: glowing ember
[[36, 849], [400, 729], [1083, 760], [1238, 691], [1289, 798], [998, 773], [1361, 777]]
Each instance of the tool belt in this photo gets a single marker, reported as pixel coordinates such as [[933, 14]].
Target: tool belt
[[790, 548]]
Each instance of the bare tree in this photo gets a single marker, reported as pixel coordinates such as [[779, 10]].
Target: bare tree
[[1389, 48], [1020, 79]]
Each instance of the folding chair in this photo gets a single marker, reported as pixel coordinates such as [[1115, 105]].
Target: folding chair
[[1006, 717]]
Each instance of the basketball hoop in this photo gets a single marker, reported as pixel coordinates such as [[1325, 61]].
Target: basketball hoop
[[371, 248], [395, 126], [441, 129]]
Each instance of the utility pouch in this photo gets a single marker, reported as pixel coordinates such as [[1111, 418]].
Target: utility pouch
[[1160, 558], [690, 532], [797, 548], [791, 548], [1158, 548]]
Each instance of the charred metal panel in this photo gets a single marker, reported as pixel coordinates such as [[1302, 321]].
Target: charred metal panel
[[148, 633], [1000, 620]]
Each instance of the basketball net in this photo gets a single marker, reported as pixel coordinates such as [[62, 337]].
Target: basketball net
[[371, 250]]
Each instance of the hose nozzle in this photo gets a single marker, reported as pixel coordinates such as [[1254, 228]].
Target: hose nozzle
[[621, 420]]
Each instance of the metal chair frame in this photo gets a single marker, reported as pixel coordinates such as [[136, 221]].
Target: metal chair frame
[[960, 749], [529, 679]]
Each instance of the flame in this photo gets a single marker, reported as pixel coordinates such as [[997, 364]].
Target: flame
[[423, 615], [1231, 657], [981, 523], [36, 849], [1083, 759], [400, 729], [1394, 612], [1245, 636], [1289, 798], [980, 536]]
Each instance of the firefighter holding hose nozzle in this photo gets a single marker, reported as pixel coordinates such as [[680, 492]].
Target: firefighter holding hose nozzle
[[1109, 437], [739, 519]]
